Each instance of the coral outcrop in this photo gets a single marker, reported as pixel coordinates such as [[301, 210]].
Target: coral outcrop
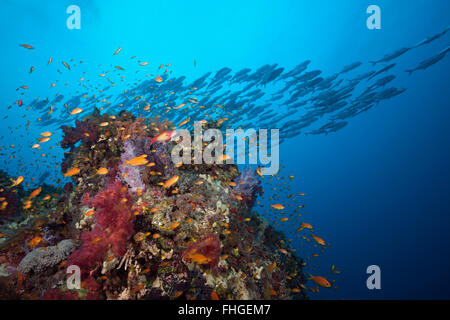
[[147, 229]]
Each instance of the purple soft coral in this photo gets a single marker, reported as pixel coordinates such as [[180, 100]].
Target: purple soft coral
[[246, 183], [131, 174]]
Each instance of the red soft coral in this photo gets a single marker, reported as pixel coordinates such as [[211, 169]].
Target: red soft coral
[[83, 130], [113, 228]]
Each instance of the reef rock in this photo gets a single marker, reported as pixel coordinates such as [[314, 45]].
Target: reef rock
[[41, 259]]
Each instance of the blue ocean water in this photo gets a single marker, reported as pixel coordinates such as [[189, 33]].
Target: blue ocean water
[[377, 190]]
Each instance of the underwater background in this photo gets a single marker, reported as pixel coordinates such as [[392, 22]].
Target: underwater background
[[376, 190]]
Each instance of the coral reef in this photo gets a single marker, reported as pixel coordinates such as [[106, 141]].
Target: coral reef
[[146, 230]]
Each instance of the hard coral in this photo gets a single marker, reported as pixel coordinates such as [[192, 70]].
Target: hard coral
[[113, 228], [40, 259]]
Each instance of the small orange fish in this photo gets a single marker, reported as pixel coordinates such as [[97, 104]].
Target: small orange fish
[[321, 281], [214, 296], [17, 182], [303, 226], [27, 46], [184, 122], [171, 182], [143, 63], [117, 51], [90, 213], [34, 242], [198, 258], [102, 171], [319, 240], [277, 206], [174, 226], [35, 193], [66, 65], [159, 79], [177, 294], [72, 172], [137, 161], [76, 111], [46, 134]]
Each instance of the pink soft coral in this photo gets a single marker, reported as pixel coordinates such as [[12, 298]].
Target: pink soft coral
[[113, 228]]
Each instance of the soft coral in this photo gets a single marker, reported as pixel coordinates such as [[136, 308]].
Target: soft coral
[[113, 228], [83, 130], [209, 247]]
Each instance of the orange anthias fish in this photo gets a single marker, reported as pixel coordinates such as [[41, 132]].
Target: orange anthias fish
[[27, 46], [319, 240], [72, 172], [159, 79], [321, 281], [214, 296], [198, 258], [184, 122], [174, 226], [303, 226], [177, 294], [35, 193], [138, 161], [17, 182], [102, 171], [171, 182], [163, 137], [117, 51], [66, 65], [277, 206], [34, 242], [76, 111], [46, 134]]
